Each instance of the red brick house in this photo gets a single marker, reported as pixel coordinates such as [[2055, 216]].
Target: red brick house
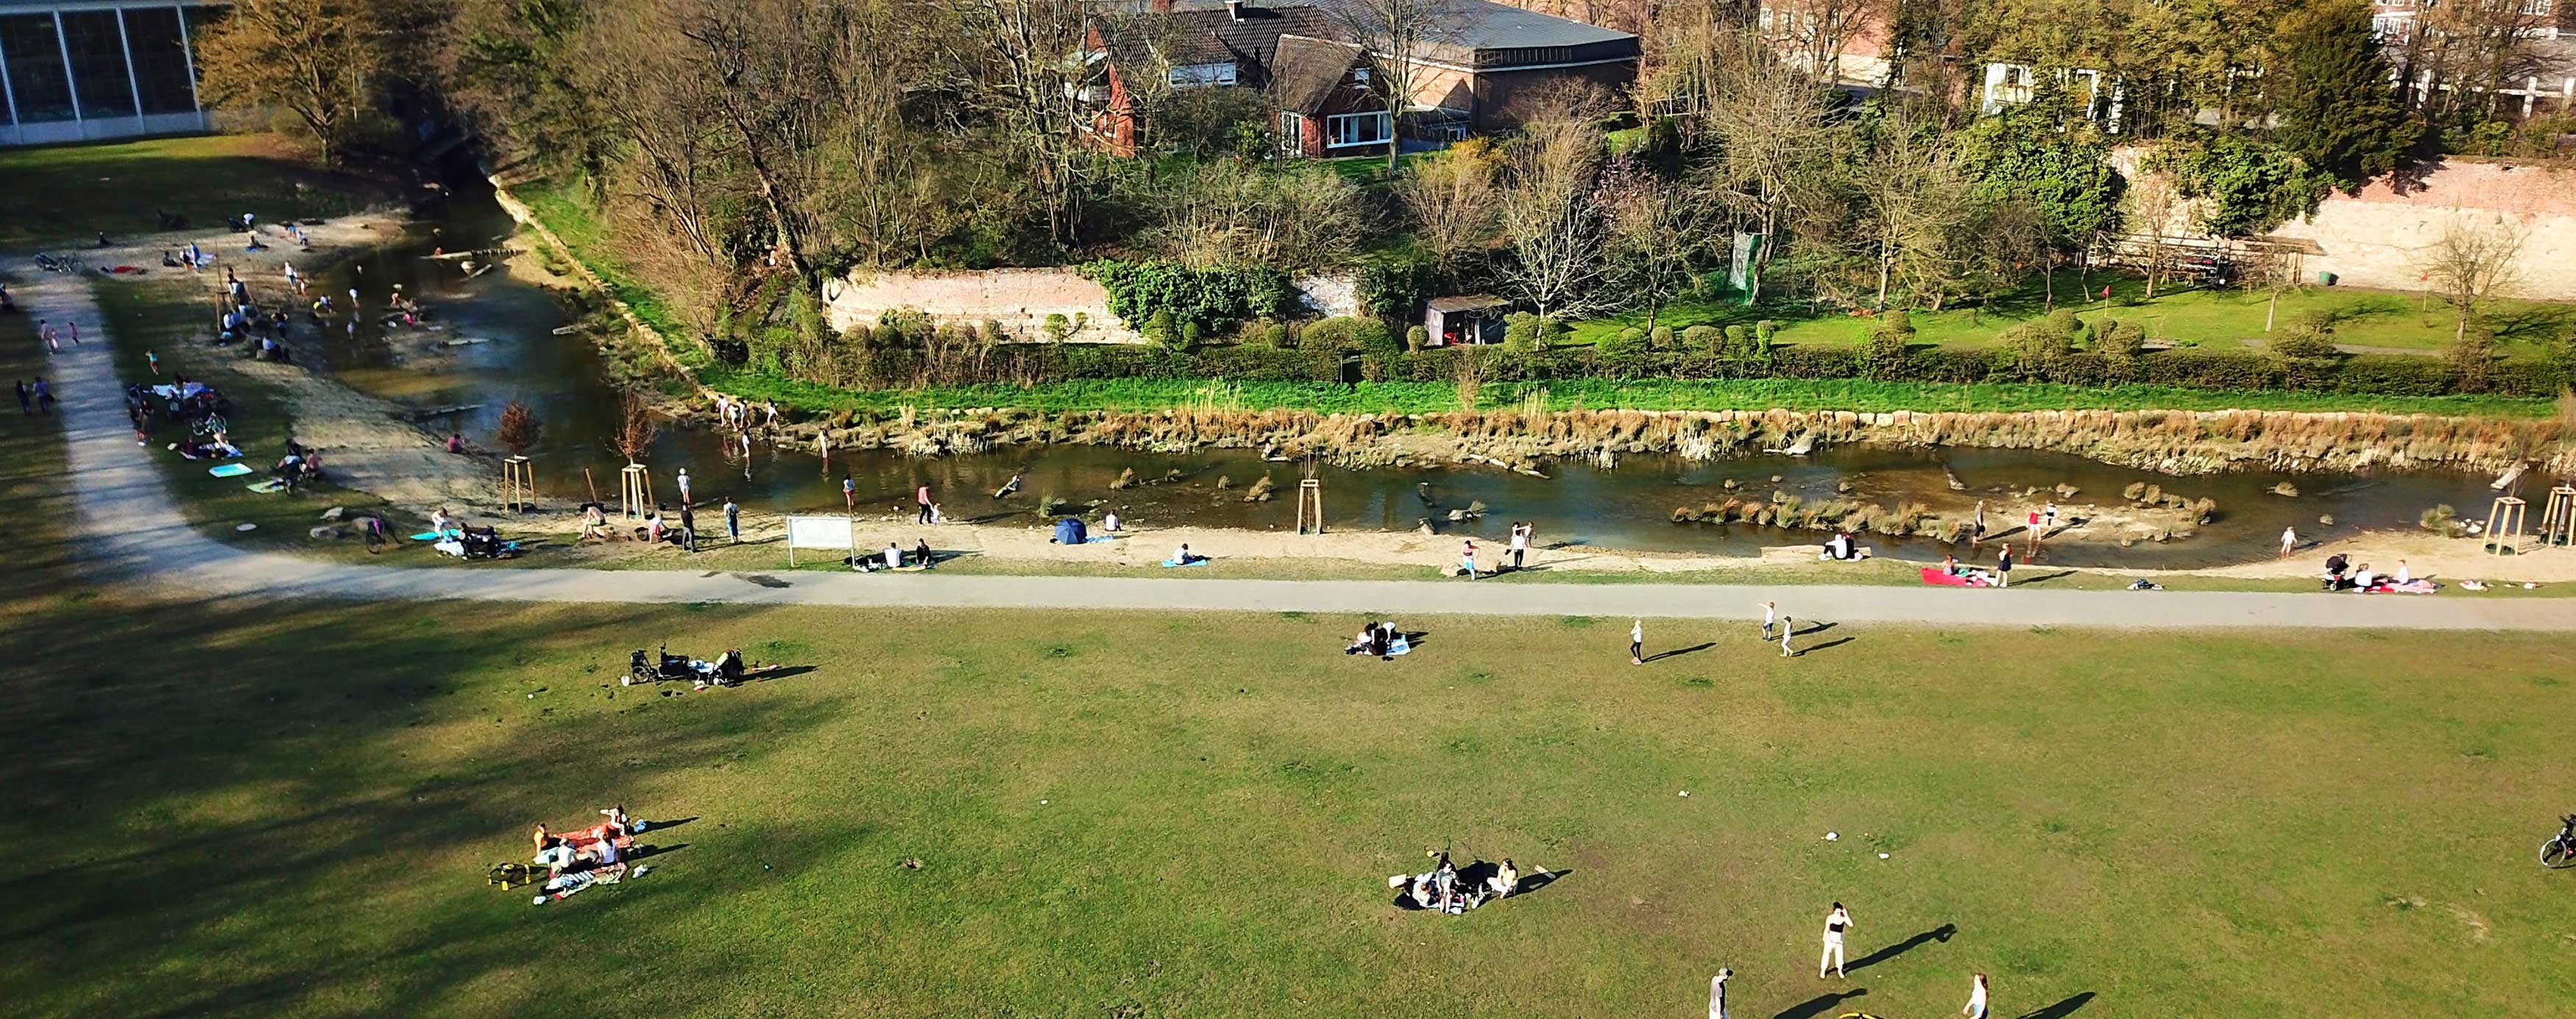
[[1477, 71]]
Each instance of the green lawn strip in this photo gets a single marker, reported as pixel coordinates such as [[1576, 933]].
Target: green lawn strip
[[165, 319], [2221, 319], [565, 209], [66, 195], [1178, 814], [1599, 394]]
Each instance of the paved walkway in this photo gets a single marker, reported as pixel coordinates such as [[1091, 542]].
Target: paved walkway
[[136, 528]]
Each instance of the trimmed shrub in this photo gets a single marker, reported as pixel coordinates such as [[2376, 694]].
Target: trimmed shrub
[[1883, 357], [1704, 339], [1416, 338], [1661, 338]]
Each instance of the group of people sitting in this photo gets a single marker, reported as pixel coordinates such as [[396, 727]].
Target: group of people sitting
[[300, 466], [1968, 575], [201, 412], [1381, 639], [2342, 575], [1841, 548], [1446, 888], [895, 558], [576, 860]]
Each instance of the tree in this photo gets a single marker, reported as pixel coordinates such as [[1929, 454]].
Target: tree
[[1021, 63], [2453, 57], [319, 60], [1550, 221], [1770, 125], [2332, 97], [1393, 35], [1229, 212], [520, 429], [1823, 29], [508, 66], [2473, 261], [1452, 198], [2155, 207], [1912, 202], [636, 426], [1658, 232], [2060, 171]]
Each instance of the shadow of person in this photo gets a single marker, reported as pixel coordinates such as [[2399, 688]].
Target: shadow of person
[[1835, 643], [1533, 882], [1940, 933], [2045, 578], [2062, 1009], [1819, 1005], [1680, 651], [1815, 628]]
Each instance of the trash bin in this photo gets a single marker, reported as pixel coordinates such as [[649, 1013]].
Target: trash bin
[[2325, 279]]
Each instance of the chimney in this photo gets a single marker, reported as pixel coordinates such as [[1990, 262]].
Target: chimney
[[1234, 9]]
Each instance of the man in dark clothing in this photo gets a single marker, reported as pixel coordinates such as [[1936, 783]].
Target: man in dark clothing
[[24, 405], [688, 528]]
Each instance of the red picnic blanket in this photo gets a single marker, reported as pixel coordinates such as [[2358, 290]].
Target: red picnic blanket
[[1934, 576]]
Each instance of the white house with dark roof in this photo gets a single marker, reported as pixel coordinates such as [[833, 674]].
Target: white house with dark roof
[[1480, 67], [84, 70]]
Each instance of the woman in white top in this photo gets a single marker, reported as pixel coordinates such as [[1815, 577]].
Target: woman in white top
[[1836, 923], [1717, 993], [1976, 1007], [1109, 522]]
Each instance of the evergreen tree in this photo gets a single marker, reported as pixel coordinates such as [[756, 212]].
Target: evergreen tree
[[2336, 106]]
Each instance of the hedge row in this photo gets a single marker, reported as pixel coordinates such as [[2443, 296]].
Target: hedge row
[[2382, 375]]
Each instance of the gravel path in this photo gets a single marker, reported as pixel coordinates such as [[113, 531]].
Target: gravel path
[[135, 528]]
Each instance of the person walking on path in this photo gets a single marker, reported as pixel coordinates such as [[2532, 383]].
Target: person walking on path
[[688, 527], [1637, 642], [1770, 610], [2289, 540], [921, 497], [733, 520], [849, 493], [684, 487], [1717, 993], [45, 329], [1787, 627], [1836, 923], [154, 360], [26, 404], [1467, 558], [2003, 566], [1976, 1007], [44, 398]]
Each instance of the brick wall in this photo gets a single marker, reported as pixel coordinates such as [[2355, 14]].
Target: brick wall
[[2374, 239], [1019, 299]]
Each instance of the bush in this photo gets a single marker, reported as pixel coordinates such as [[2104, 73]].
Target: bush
[[2064, 323], [1416, 338], [2308, 337], [2471, 359], [2028, 351], [1216, 299], [1526, 332], [1661, 338], [1705, 339], [1163, 328], [1884, 356], [1392, 288], [1626, 344], [2120, 339]]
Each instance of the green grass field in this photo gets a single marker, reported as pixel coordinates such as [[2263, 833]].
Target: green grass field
[[2218, 319], [65, 195], [285, 809], [1599, 394]]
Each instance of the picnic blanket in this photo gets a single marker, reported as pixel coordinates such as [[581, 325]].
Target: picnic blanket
[[1098, 538], [1170, 565], [1399, 646], [560, 888], [435, 535], [270, 485], [229, 470], [1934, 576], [2409, 587]]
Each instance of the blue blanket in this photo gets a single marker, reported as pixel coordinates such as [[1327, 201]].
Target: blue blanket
[[1170, 565], [229, 470]]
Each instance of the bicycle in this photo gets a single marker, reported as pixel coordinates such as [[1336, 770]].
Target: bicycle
[[2559, 852]]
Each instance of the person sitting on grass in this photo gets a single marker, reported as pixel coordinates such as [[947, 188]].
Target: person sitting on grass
[[893, 556], [921, 554], [1182, 556], [594, 522]]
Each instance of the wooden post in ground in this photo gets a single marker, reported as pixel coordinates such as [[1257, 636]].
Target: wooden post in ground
[[1310, 492], [2504, 520], [2558, 520], [635, 495], [518, 484]]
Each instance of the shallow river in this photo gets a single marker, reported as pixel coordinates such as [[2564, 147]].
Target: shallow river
[[1629, 506]]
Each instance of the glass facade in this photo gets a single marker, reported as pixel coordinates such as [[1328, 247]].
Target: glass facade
[[97, 49], [160, 62], [37, 84]]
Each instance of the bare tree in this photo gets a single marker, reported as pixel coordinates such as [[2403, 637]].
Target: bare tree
[[1913, 202], [1769, 122], [519, 430], [2474, 261], [1022, 62], [1452, 197], [636, 426], [319, 60], [1549, 217], [1659, 233], [1394, 36], [1823, 29], [1229, 212], [2454, 56], [2154, 208]]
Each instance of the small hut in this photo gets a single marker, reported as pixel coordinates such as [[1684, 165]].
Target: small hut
[[1465, 320]]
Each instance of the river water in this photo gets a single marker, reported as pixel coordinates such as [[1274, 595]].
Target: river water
[[516, 356]]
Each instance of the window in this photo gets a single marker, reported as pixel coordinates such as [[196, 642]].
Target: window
[[98, 64], [1202, 75], [1360, 74], [1343, 130], [35, 59], [1292, 133], [160, 63]]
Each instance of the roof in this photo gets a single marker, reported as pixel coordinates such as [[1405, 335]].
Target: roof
[[1481, 33], [1205, 34], [1307, 71], [1469, 302]]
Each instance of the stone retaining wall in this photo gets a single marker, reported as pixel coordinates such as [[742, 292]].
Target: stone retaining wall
[[1021, 299]]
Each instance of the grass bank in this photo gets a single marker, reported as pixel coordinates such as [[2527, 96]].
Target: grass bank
[[66, 195], [1749, 394]]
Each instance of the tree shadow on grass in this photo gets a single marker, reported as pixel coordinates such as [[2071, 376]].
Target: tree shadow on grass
[[2532, 322]]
